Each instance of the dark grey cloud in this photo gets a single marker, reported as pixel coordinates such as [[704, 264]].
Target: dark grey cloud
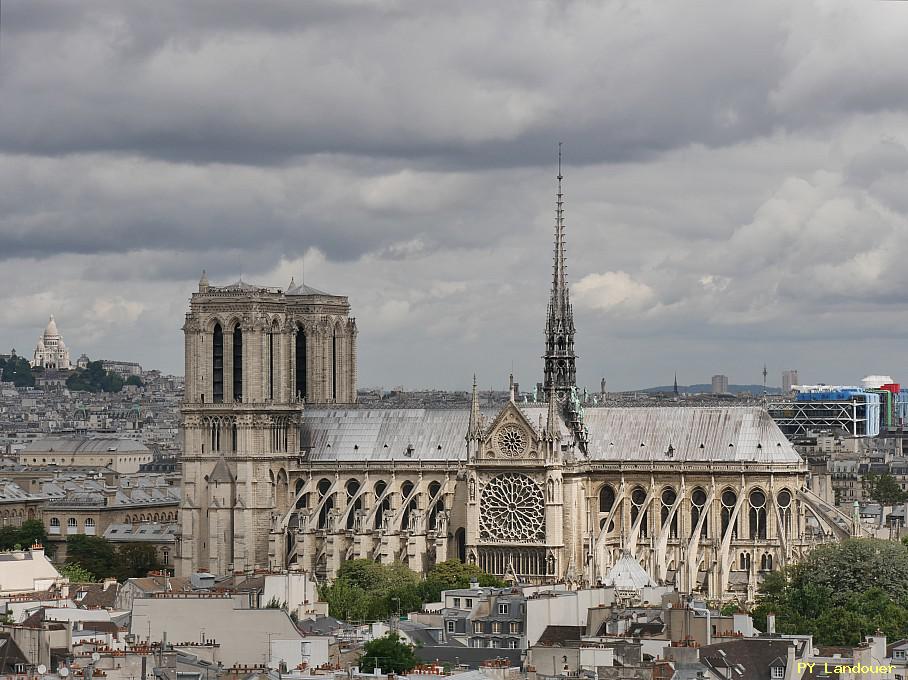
[[735, 178], [466, 85]]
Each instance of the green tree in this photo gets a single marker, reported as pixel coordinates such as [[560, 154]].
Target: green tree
[[76, 574], [840, 593], [16, 370], [364, 574], [135, 380], [94, 378], [135, 560], [22, 537], [885, 489], [731, 608], [345, 600], [31, 532], [454, 574], [94, 554], [9, 538], [388, 653], [370, 591]]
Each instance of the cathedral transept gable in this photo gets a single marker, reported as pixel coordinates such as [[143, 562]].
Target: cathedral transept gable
[[512, 438]]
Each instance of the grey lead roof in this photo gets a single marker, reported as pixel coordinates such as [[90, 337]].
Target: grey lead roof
[[83, 444], [726, 434], [303, 289], [708, 434], [385, 434]]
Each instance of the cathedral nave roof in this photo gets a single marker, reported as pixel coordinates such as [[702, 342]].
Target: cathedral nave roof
[[726, 434]]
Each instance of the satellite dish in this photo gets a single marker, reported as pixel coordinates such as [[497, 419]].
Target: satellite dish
[[64, 672], [95, 657], [42, 669]]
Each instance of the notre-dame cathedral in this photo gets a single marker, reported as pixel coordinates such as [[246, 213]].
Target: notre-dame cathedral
[[282, 470]]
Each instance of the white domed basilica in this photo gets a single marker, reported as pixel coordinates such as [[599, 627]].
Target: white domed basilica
[[51, 351]]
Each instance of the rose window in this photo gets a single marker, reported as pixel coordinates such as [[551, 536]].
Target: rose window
[[512, 510], [511, 441]]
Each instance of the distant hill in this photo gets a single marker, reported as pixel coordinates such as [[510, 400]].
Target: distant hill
[[696, 389]]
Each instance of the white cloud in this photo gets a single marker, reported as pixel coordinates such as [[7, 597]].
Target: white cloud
[[613, 290]]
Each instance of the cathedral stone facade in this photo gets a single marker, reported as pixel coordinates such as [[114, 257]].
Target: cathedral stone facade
[[282, 470], [255, 357]]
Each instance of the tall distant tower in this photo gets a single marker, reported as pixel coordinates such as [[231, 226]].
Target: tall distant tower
[[789, 379], [560, 368], [675, 389]]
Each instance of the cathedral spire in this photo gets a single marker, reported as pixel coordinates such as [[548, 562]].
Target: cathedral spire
[[475, 425], [560, 370]]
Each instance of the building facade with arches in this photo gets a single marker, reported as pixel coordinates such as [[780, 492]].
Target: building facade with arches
[[282, 470], [255, 356]]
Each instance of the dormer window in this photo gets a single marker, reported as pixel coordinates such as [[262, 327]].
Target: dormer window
[[778, 672]]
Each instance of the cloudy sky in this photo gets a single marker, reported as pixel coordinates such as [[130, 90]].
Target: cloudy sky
[[736, 179]]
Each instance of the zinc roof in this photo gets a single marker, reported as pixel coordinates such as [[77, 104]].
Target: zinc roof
[[385, 434], [724, 434], [710, 434], [85, 445]]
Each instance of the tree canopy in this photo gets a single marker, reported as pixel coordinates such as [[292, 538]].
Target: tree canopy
[[841, 592], [454, 574], [16, 369], [135, 380], [885, 489], [76, 574], [102, 559], [94, 378], [22, 537], [389, 653], [368, 591]]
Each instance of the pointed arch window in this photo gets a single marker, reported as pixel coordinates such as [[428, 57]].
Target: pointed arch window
[[757, 514], [638, 498], [729, 500], [271, 359], [217, 364], [606, 498], [668, 500], [301, 364], [784, 502], [334, 364], [697, 504], [237, 363]]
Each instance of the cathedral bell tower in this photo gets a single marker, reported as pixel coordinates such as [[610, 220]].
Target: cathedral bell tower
[[255, 357]]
